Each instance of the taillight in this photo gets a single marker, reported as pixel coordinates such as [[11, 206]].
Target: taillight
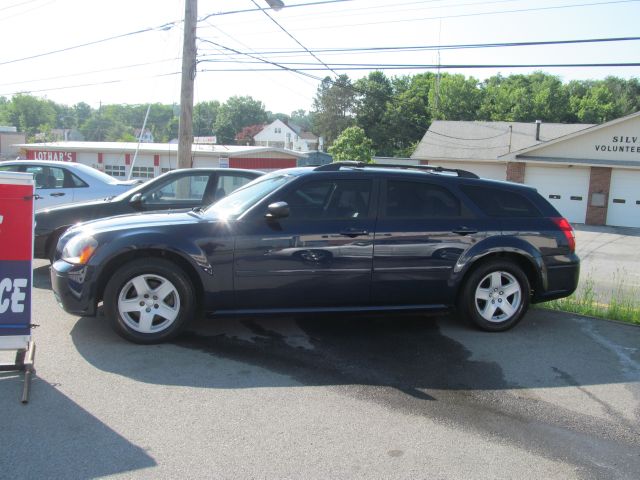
[[564, 225]]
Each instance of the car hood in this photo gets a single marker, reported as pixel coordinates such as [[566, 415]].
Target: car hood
[[139, 220]]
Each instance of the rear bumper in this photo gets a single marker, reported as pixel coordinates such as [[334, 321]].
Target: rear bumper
[[74, 288], [561, 279]]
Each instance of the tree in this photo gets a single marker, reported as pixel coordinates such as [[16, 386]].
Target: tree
[[352, 144], [204, 117], [245, 136], [235, 113], [597, 106], [31, 114], [455, 98], [373, 94], [408, 115], [333, 107], [303, 119]]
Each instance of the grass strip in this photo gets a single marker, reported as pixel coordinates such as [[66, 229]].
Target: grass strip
[[622, 304]]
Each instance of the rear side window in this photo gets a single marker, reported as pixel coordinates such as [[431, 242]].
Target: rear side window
[[420, 200], [496, 202]]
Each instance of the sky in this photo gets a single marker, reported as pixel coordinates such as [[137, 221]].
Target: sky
[[139, 68]]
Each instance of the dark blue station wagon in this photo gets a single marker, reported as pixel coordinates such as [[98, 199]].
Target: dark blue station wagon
[[337, 238]]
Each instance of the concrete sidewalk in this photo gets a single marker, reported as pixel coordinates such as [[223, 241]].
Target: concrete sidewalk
[[610, 259]]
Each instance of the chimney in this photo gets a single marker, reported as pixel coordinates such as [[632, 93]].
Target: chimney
[[538, 123]]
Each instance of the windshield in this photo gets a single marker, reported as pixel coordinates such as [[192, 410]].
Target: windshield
[[239, 201]]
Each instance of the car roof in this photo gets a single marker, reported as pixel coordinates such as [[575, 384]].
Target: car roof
[[417, 171], [51, 163]]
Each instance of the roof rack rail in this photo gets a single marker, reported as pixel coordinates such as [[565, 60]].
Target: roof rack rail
[[335, 166]]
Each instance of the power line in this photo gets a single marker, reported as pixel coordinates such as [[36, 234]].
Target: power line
[[478, 14], [414, 48], [166, 26], [106, 82], [431, 67], [279, 66], [248, 10], [294, 38], [80, 74], [17, 5]]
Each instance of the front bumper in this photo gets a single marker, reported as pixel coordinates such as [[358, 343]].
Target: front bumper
[[74, 287]]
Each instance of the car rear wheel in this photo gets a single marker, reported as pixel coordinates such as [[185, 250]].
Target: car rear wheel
[[495, 297], [149, 301]]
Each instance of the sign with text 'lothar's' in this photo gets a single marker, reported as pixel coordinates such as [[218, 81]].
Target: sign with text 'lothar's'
[[48, 155], [16, 239]]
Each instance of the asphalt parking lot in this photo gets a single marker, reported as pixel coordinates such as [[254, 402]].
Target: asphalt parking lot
[[330, 397]]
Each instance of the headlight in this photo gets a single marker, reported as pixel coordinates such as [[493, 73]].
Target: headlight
[[79, 249]]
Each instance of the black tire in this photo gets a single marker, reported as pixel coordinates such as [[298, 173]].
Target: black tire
[[152, 318], [507, 293]]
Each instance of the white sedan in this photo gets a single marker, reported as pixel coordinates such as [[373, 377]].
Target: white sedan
[[64, 182]]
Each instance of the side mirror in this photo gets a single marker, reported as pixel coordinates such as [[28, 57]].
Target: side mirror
[[277, 210], [136, 200]]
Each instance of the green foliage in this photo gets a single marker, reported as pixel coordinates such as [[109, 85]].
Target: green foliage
[[333, 107], [394, 112], [236, 113], [352, 144], [303, 119], [455, 97]]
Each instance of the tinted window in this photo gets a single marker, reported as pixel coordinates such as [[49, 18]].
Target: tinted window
[[47, 177], [227, 183], [420, 200], [336, 199], [496, 202], [184, 188]]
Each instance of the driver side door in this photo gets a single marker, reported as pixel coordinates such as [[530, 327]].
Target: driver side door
[[320, 256]]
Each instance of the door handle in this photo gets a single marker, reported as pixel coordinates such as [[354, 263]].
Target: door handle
[[58, 194], [37, 197], [353, 232], [464, 231]]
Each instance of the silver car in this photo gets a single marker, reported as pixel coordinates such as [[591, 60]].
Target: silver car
[[58, 183]]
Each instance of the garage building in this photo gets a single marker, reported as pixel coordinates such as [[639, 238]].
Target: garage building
[[119, 159], [590, 173]]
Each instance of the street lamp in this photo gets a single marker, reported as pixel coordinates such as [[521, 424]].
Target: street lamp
[[275, 4]]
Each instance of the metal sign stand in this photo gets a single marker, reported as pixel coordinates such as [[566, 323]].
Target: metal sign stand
[[23, 363]]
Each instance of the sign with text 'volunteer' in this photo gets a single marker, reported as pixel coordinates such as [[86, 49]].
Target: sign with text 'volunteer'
[[16, 250]]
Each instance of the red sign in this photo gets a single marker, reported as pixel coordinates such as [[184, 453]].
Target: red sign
[[16, 238], [48, 155]]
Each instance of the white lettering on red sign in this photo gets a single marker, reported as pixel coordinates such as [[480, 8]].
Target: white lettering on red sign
[[11, 294], [57, 156]]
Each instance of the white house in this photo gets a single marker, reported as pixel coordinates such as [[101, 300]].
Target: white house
[[279, 134]]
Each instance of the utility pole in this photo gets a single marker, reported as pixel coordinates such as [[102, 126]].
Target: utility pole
[[185, 131]]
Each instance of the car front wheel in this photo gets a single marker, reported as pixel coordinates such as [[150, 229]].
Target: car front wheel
[[149, 301], [495, 296]]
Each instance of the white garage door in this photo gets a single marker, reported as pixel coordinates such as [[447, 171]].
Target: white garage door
[[494, 171], [565, 188], [624, 199]]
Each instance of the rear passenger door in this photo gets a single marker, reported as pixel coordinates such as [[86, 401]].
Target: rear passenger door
[[53, 185], [423, 228]]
